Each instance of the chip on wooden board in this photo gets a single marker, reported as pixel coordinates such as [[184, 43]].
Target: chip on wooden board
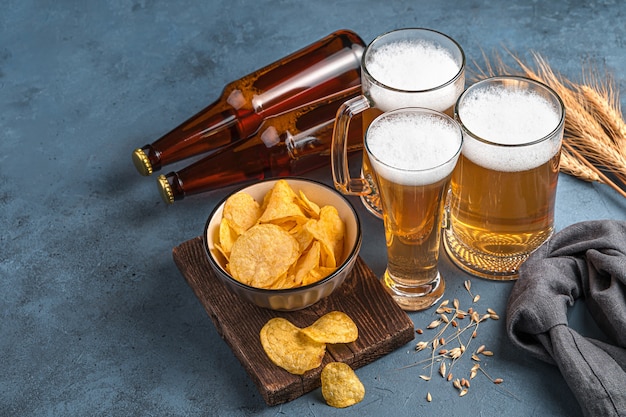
[[289, 348], [333, 327], [341, 387]]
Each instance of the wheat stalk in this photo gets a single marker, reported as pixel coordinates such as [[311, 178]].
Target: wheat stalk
[[594, 143], [604, 101], [572, 166]]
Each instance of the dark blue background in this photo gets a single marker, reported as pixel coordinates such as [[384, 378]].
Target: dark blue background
[[95, 318]]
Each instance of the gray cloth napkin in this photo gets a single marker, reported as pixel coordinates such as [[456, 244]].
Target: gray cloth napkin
[[586, 260]]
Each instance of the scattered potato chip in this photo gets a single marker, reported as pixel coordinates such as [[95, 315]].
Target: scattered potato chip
[[289, 348], [298, 350], [333, 327], [341, 386], [241, 211], [262, 255]]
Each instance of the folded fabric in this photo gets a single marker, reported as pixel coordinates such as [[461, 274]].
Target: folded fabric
[[586, 260]]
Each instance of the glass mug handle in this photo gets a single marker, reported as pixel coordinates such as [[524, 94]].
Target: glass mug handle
[[339, 148]]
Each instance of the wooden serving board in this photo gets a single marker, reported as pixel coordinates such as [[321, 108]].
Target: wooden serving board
[[383, 326]]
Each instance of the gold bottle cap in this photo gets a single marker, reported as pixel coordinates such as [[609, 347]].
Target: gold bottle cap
[[142, 163], [165, 189]]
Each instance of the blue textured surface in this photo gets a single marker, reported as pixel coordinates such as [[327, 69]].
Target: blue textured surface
[[95, 318]]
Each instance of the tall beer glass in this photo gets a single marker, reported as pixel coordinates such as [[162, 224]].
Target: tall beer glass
[[402, 68], [413, 152], [502, 197]]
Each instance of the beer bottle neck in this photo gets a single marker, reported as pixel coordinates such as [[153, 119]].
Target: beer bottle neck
[[187, 140]]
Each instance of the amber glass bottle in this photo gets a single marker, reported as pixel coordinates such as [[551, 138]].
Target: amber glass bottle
[[327, 66], [285, 145]]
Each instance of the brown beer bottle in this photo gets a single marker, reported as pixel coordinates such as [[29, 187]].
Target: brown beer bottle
[[285, 145], [325, 67]]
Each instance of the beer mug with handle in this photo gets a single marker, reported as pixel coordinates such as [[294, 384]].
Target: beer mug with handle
[[503, 190], [412, 67]]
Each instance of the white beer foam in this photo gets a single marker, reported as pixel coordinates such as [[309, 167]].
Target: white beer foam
[[509, 117], [412, 66], [413, 149]]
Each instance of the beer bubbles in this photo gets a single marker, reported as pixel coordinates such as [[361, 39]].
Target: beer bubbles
[[414, 65], [413, 150], [508, 117]]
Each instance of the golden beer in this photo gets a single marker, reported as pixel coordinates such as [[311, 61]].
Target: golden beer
[[412, 154], [372, 199], [502, 193], [412, 217], [402, 68]]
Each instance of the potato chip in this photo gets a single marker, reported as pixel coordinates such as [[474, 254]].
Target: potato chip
[[289, 348], [329, 230], [289, 223], [241, 211], [307, 262], [227, 238], [303, 236], [333, 327], [317, 274], [309, 207], [341, 386], [287, 280], [280, 205], [262, 255], [266, 258]]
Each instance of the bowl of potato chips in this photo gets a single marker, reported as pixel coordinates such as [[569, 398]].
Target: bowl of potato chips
[[283, 244]]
